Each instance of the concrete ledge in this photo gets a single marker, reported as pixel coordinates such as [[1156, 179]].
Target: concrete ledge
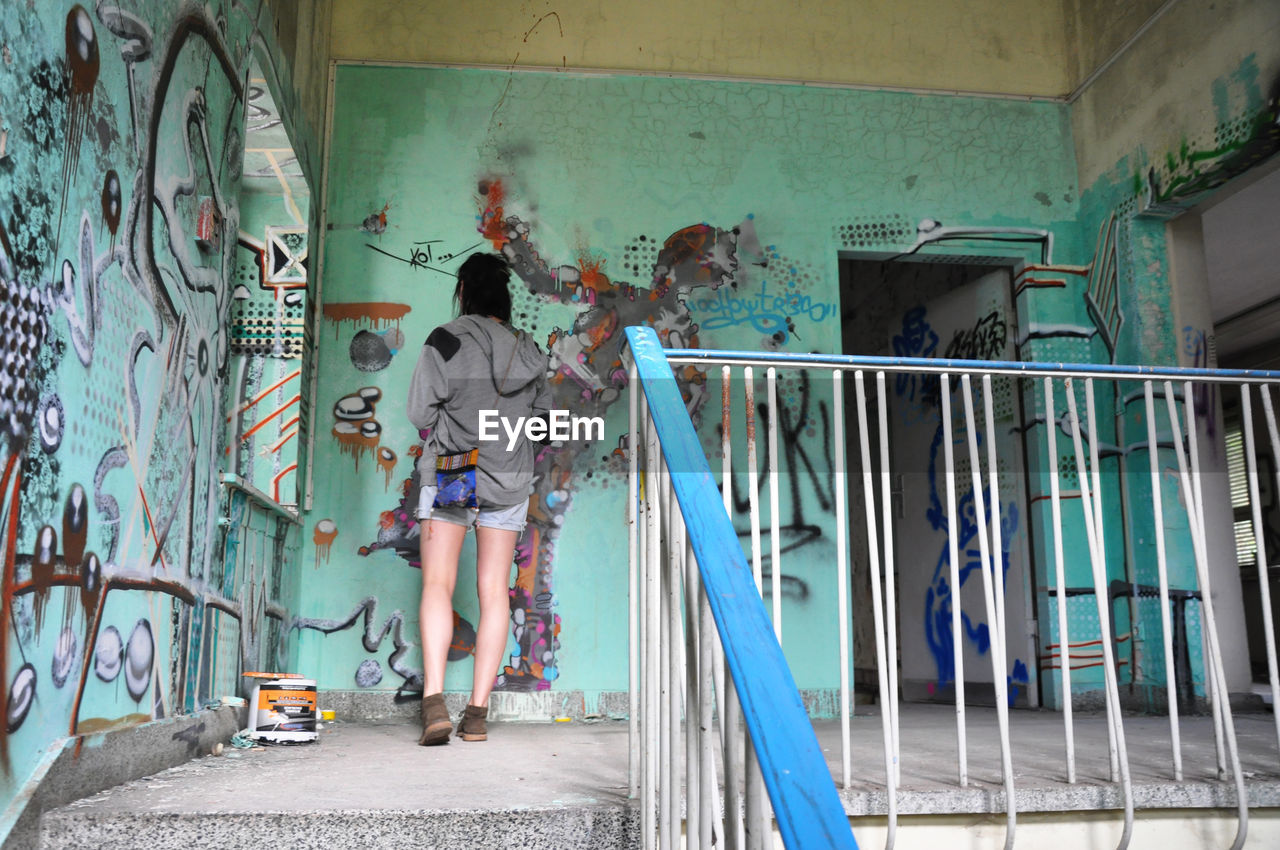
[[84, 765], [982, 798], [567, 828], [528, 707], [535, 706]]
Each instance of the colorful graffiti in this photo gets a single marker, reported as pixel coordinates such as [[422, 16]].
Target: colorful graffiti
[[588, 376], [114, 293], [1189, 175], [370, 350]]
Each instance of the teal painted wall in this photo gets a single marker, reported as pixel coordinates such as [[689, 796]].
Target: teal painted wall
[[124, 596], [587, 179], [1227, 125]]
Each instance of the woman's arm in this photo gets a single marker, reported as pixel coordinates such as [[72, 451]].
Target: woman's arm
[[429, 386]]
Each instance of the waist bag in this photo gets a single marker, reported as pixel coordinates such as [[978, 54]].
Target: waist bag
[[456, 480]]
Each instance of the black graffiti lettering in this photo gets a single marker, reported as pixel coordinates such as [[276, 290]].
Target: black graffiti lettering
[[791, 429], [984, 341], [422, 256]]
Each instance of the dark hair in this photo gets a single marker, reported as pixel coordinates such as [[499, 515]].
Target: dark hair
[[482, 287]]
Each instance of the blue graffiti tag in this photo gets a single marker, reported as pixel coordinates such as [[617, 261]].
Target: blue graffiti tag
[[916, 340], [766, 312], [941, 596]]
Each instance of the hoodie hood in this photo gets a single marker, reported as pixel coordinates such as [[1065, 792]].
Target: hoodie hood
[[515, 358]]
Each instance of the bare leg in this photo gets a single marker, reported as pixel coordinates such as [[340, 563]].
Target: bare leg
[[495, 553], [439, 547]]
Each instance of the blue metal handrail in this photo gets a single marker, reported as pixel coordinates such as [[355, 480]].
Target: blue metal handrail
[[805, 802]]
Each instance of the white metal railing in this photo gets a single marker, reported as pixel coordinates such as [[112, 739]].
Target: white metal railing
[[678, 663], [690, 572]]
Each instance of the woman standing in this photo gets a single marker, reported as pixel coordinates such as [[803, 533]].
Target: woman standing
[[475, 363]]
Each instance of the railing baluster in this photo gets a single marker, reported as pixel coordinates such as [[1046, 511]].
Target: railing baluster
[[731, 712], [842, 573], [877, 608], [998, 665], [1096, 493], [693, 697], [734, 769], [953, 557], [1213, 658], [652, 632], [726, 492], [1264, 568], [1060, 581], [675, 661], [753, 478], [634, 544], [665, 640], [1162, 571], [1196, 504], [756, 811], [707, 821], [1097, 557], [890, 603], [775, 511], [756, 822], [997, 532]]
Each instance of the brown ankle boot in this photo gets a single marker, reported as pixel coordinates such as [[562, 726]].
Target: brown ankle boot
[[472, 727], [436, 725]]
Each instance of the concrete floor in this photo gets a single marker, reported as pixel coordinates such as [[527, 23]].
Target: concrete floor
[[373, 778]]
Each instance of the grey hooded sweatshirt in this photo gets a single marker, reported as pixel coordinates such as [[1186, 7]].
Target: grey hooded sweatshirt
[[471, 364]]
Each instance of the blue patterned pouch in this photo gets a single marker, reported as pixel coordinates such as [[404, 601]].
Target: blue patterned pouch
[[456, 480]]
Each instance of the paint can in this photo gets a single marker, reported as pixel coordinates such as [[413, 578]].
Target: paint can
[[283, 710]]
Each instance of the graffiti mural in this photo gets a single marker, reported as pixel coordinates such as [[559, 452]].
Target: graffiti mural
[[588, 376], [122, 165], [1190, 174]]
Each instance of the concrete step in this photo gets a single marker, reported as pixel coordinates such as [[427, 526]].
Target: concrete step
[[368, 784]]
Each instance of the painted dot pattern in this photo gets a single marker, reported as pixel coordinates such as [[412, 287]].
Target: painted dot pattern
[[863, 232], [639, 256], [24, 325]]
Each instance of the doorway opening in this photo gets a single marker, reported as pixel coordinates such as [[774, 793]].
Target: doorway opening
[[1235, 231], [958, 307], [268, 304]]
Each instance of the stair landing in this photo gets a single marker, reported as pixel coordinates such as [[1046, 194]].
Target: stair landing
[[368, 784]]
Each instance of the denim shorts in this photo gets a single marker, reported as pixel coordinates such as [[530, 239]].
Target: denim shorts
[[507, 518]]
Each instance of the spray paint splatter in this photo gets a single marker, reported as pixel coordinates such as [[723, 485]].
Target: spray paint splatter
[[325, 532], [377, 312], [22, 693], [111, 204], [44, 559], [138, 656], [82, 67], [376, 223], [493, 225], [356, 431], [387, 463]]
